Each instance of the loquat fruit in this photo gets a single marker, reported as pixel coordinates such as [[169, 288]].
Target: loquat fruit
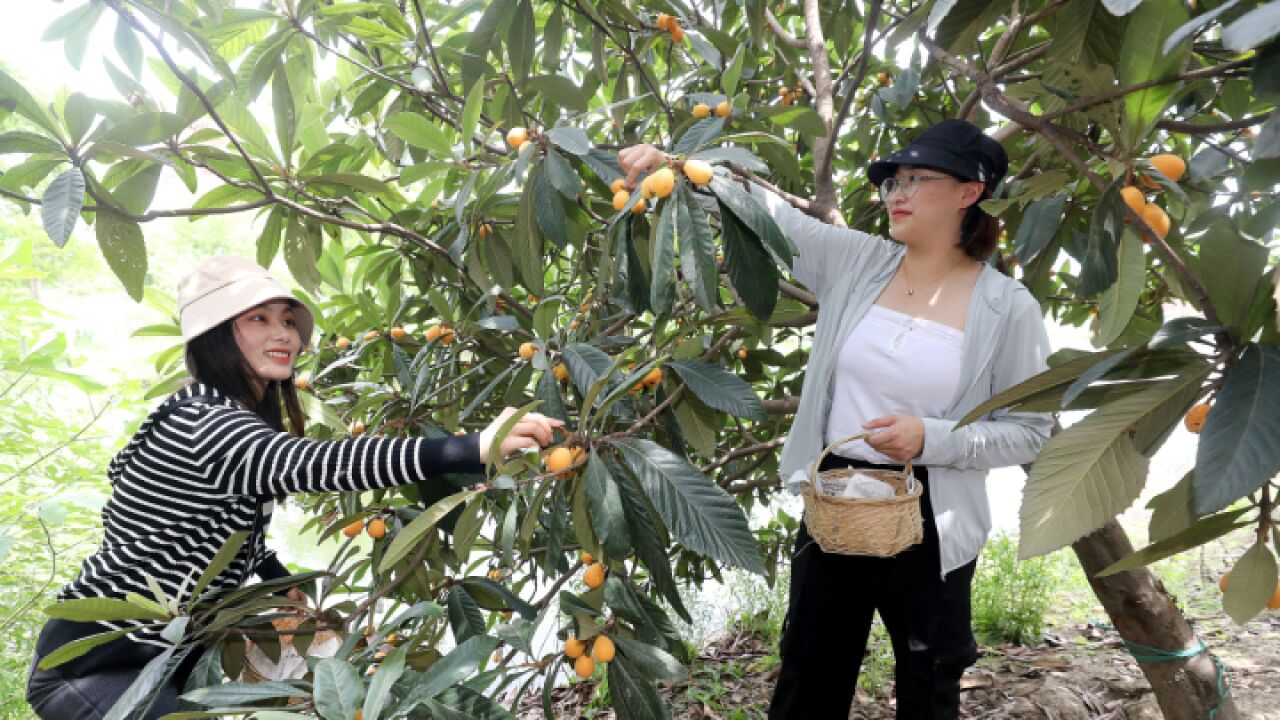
[[559, 460], [573, 647], [677, 33], [1156, 217], [724, 109], [701, 110], [620, 199], [640, 206], [561, 372], [616, 185], [1169, 165], [371, 335], [342, 343], [603, 650], [594, 576], [528, 350], [301, 383], [353, 529], [662, 182], [433, 333], [699, 172], [1134, 198], [587, 558], [584, 666], [1194, 420], [357, 428], [517, 136], [653, 377], [397, 333], [376, 528]]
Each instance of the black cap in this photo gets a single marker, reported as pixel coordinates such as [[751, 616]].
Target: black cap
[[957, 147]]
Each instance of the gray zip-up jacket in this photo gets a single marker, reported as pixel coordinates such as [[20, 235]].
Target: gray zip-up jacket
[[1005, 342]]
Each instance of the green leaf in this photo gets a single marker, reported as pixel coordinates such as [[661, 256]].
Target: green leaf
[[604, 504], [698, 424], [753, 273], [389, 671], [24, 142], [553, 39], [701, 515], [241, 693], [136, 194], [662, 282], [561, 174], [1253, 28], [560, 90], [460, 664], [634, 695], [125, 252], [1099, 266], [464, 615], [145, 129], [78, 115], [1239, 448], [1117, 303], [697, 249], [17, 99], [803, 119], [1203, 531], [729, 80], [1142, 59], [652, 661], [570, 139], [1054, 377], [549, 209], [129, 48], [471, 113], [719, 389], [413, 533], [520, 40], [416, 130], [1172, 511], [1230, 266], [61, 205], [76, 648], [302, 247], [1252, 582], [355, 181], [1039, 224], [338, 692], [1092, 471], [751, 214], [139, 693], [527, 249], [285, 114], [269, 242]]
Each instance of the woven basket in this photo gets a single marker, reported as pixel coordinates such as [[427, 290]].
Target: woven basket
[[879, 527]]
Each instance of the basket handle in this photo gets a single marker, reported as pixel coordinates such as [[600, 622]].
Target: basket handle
[[813, 477]]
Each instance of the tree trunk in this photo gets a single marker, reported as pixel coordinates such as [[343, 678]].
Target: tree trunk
[[1143, 612]]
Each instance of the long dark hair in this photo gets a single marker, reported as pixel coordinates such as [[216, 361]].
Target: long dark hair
[[979, 231], [214, 358]]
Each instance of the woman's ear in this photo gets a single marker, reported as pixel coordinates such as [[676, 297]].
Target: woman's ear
[[972, 194]]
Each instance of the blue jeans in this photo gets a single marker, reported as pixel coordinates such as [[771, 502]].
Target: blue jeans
[[85, 688], [833, 599]]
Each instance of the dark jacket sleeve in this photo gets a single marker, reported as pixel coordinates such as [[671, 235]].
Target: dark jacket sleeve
[[238, 453], [271, 568]]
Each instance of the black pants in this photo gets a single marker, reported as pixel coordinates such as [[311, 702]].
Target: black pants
[[85, 688], [833, 598]]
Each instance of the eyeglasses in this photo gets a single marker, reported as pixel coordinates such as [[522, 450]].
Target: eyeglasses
[[908, 186]]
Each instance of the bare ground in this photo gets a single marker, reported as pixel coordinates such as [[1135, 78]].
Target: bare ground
[[1080, 671]]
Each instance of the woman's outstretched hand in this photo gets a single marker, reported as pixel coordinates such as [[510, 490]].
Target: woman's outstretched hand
[[638, 159], [901, 439], [533, 431]]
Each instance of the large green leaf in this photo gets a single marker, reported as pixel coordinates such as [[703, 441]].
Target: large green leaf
[[526, 250], [1172, 511], [15, 97], [337, 692], [719, 389], [240, 693], [220, 560], [1039, 224], [460, 664], [464, 615], [1230, 266], [633, 693], [549, 207], [701, 515], [560, 90], [1092, 471], [605, 507], [1202, 531], [520, 40], [1252, 583], [697, 249], [1117, 303], [1099, 266], [125, 252], [101, 608], [416, 130], [76, 648], [412, 534], [662, 282], [1142, 58], [61, 203], [653, 661], [753, 215], [1239, 447], [145, 129], [649, 536], [751, 269], [1055, 377], [389, 671], [152, 676]]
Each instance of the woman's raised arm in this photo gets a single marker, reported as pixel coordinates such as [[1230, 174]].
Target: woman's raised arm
[[825, 251]]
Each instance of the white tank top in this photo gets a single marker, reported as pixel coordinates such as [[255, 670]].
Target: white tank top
[[891, 364]]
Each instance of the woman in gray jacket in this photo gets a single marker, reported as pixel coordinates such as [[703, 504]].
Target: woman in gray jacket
[[913, 333]]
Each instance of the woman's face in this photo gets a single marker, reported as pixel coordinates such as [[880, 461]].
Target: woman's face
[[268, 338], [932, 209]]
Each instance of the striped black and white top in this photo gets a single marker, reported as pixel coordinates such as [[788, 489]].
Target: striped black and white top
[[201, 467]]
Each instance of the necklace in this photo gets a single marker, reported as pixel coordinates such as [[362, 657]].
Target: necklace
[[907, 279]]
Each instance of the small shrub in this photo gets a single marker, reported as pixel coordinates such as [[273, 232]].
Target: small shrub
[[1011, 598]]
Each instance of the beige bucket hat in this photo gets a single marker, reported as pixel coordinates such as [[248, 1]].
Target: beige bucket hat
[[222, 287]]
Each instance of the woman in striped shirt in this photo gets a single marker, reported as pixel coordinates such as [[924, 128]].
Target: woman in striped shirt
[[212, 460]]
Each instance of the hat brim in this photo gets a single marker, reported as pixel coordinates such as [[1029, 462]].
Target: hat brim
[[922, 155], [215, 308]]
